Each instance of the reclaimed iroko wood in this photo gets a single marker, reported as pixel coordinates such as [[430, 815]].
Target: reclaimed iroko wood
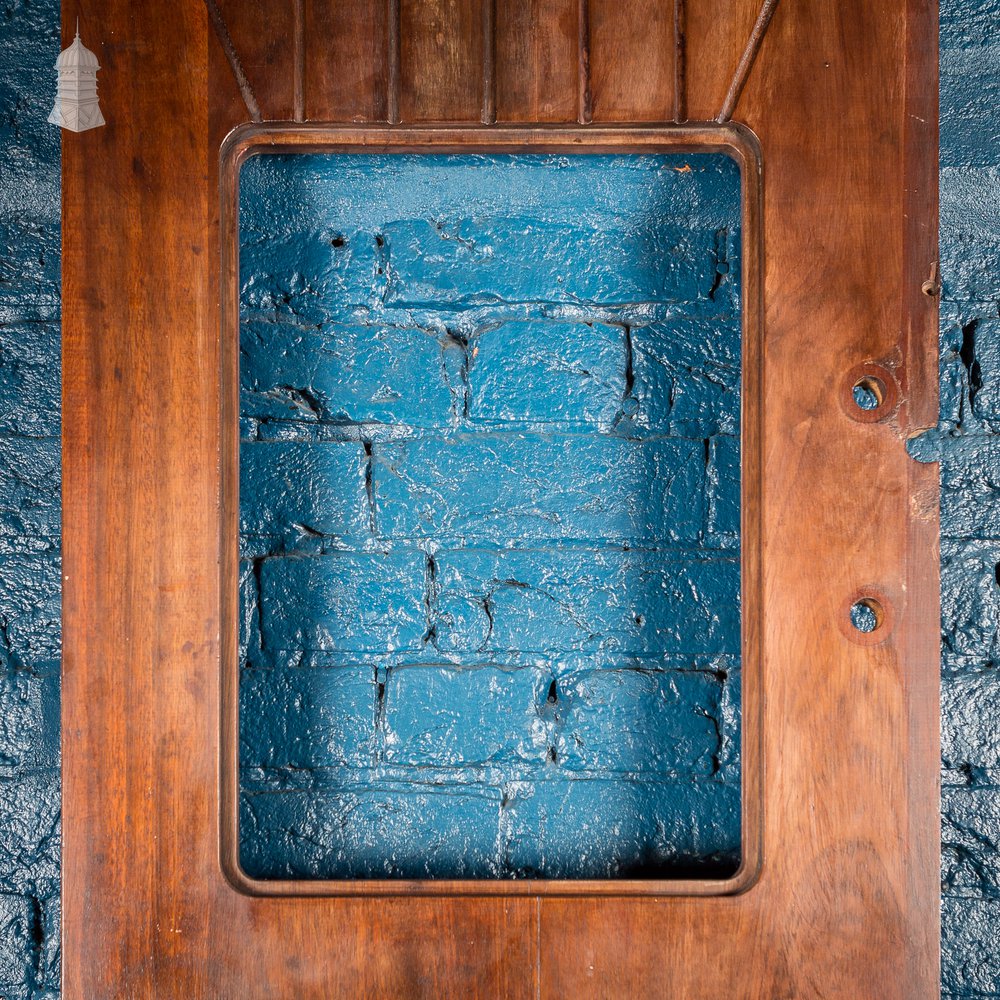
[[843, 100]]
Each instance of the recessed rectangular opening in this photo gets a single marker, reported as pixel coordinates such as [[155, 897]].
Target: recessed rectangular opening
[[492, 608]]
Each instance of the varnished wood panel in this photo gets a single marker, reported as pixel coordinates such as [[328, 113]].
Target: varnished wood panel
[[441, 43], [262, 32], [536, 60], [844, 102], [631, 60], [717, 31], [346, 77]]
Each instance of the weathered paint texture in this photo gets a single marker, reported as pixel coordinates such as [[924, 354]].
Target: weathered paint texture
[[29, 502], [967, 443], [490, 515]]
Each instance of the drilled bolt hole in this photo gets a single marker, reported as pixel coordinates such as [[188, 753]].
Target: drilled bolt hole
[[868, 393], [867, 615]]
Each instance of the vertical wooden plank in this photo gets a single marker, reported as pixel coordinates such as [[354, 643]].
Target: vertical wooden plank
[[441, 60], [919, 321], [717, 32], [263, 33], [536, 42], [632, 60], [346, 61], [137, 355], [846, 906]]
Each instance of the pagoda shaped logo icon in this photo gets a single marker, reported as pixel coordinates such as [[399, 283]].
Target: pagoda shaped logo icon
[[76, 106]]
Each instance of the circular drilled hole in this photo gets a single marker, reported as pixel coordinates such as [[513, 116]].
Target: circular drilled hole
[[867, 615], [869, 393]]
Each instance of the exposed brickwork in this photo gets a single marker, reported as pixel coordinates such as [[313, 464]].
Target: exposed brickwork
[[29, 502], [490, 515], [968, 446]]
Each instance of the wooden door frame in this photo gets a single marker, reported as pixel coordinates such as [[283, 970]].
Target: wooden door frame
[[843, 101]]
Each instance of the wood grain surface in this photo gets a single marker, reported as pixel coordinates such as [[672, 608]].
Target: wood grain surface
[[843, 101]]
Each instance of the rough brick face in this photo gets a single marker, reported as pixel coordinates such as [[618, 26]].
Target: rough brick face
[[29, 503], [968, 448], [490, 515]]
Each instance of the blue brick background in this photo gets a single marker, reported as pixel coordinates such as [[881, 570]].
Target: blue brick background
[[29, 502], [490, 515], [968, 447], [29, 419]]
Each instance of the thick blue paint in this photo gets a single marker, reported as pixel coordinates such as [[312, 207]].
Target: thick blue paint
[[29, 502], [490, 515], [967, 444]]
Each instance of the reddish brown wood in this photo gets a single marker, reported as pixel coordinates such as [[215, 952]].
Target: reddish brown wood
[[346, 76], [263, 33], [843, 99], [536, 42], [441, 62], [716, 34], [632, 60]]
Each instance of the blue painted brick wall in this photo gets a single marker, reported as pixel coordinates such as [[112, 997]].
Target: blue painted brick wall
[[490, 515], [29, 502], [968, 447]]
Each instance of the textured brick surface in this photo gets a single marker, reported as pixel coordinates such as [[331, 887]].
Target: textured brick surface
[[967, 445], [29, 502], [490, 515]]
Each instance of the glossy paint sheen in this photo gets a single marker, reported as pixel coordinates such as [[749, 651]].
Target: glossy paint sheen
[[29, 503], [490, 515], [968, 447]]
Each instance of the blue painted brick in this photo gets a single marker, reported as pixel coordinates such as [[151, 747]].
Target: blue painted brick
[[970, 947], [970, 488], [29, 494], [29, 380], [686, 376], [547, 372], [29, 269], [970, 842], [477, 260], [344, 602], [723, 492], [640, 721], [30, 609], [297, 497], [322, 281], [448, 293], [970, 348], [29, 847], [607, 829], [361, 191], [29, 167], [308, 718], [970, 597], [249, 613], [29, 722], [447, 717], [970, 94], [345, 373], [970, 699], [970, 214], [17, 930], [416, 830], [584, 601], [514, 489]]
